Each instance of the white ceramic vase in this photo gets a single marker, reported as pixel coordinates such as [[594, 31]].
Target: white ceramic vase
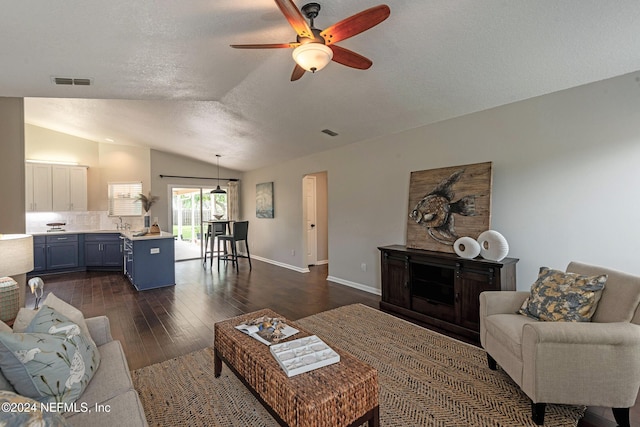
[[466, 247], [493, 245]]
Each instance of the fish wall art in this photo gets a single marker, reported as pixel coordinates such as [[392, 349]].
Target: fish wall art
[[448, 203]]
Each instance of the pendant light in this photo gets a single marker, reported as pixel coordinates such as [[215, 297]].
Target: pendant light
[[218, 190]]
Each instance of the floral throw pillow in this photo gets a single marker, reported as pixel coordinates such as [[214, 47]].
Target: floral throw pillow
[[53, 362], [565, 297]]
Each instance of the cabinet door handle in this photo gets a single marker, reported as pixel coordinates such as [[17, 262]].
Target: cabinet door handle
[[62, 238]]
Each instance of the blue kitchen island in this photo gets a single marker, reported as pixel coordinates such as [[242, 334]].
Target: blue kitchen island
[[149, 260]]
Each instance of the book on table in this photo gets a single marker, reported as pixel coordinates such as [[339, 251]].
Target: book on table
[[268, 330]]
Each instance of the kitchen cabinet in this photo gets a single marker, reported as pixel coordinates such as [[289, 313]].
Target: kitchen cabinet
[[69, 188], [39, 253], [56, 252], [62, 251], [103, 250], [150, 261], [39, 196], [441, 290], [55, 188]]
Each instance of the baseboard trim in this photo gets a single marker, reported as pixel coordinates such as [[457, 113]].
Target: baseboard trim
[[355, 285], [281, 264], [323, 262]]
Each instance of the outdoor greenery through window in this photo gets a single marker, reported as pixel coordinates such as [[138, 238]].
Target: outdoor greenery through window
[[187, 217]]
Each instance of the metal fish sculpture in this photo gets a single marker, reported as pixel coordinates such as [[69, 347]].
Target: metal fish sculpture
[[435, 211]]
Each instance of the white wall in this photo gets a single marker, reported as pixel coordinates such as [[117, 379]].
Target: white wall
[[564, 185]]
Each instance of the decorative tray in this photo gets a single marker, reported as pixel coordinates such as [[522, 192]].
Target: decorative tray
[[303, 355]]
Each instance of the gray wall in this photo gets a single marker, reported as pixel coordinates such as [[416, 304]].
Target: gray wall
[[565, 179], [12, 191]]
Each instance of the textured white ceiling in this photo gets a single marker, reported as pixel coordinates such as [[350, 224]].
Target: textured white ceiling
[[165, 77]]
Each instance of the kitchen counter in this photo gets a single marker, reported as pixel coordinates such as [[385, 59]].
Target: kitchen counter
[[104, 250], [149, 260], [53, 233], [162, 235], [128, 234]]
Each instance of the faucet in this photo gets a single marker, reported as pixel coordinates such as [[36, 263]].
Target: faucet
[[120, 226]]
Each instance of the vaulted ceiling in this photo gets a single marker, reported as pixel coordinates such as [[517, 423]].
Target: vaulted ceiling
[[163, 74]]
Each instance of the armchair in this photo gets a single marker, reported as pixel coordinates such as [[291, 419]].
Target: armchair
[[593, 363]]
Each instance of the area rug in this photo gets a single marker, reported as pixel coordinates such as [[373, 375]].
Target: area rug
[[426, 379]]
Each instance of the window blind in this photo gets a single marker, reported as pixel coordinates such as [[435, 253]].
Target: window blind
[[122, 198]]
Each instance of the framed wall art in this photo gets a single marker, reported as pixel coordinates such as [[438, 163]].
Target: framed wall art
[[264, 200], [448, 203]]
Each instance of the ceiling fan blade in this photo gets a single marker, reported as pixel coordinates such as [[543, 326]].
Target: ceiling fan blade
[[295, 18], [350, 58], [265, 46], [298, 72], [356, 24]]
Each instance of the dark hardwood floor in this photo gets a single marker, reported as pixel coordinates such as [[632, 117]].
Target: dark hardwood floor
[[161, 324]]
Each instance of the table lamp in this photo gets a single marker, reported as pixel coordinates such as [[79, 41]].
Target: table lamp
[[16, 258]]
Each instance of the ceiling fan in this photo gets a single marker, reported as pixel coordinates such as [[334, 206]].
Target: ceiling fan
[[314, 48]]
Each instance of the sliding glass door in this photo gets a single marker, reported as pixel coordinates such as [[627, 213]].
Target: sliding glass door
[[190, 207]]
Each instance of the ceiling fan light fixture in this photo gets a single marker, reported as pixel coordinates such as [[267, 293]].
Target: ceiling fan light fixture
[[312, 56]]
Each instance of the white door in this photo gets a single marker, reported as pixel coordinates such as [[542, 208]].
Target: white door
[[309, 185]]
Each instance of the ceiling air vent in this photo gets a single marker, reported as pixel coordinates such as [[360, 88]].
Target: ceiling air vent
[[329, 132], [71, 81]]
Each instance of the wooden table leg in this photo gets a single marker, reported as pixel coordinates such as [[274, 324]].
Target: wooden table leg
[[217, 364], [372, 418], [375, 419]]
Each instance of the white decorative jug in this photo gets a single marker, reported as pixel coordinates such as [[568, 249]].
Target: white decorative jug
[[493, 245], [466, 247]]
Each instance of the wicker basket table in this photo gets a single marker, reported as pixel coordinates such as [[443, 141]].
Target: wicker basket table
[[342, 394]]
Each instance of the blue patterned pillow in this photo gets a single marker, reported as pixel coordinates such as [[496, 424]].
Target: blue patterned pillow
[[49, 367], [50, 321], [566, 297]]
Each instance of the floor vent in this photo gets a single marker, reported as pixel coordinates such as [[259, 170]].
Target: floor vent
[[329, 132], [71, 81]]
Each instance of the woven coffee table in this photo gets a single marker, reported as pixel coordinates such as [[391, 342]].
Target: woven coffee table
[[342, 394]]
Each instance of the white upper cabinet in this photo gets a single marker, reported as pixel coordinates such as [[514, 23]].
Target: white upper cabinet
[[38, 187], [78, 188], [57, 188], [69, 185]]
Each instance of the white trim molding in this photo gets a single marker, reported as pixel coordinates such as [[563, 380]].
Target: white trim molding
[[281, 264], [355, 285]]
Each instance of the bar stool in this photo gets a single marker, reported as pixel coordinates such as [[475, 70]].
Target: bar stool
[[240, 232], [214, 229]]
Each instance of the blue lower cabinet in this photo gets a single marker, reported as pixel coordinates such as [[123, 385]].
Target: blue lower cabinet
[[150, 263], [39, 253], [103, 250], [62, 252]]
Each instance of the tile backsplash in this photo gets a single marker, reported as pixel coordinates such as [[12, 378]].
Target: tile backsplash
[[79, 221]]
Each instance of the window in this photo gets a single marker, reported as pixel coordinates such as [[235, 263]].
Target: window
[[122, 198]]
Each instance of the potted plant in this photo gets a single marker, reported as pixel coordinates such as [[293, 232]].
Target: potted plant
[[147, 202]]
